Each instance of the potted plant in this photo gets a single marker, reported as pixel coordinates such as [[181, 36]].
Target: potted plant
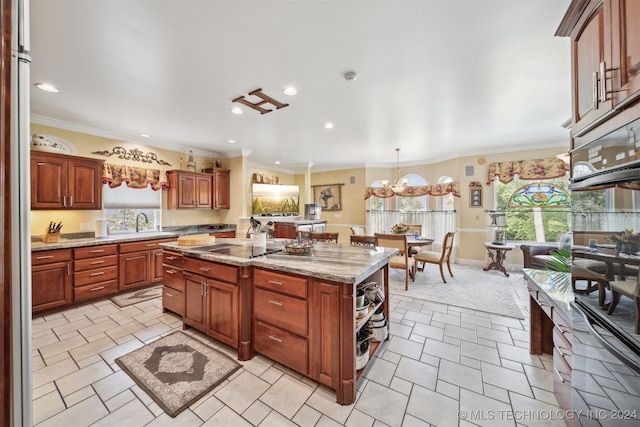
[[400, 228], [626, 241]]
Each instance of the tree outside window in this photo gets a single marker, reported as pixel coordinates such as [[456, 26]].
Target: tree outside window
[[410, 204], [445, 203]]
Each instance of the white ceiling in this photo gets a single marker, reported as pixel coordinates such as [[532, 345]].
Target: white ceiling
[[440, 79]]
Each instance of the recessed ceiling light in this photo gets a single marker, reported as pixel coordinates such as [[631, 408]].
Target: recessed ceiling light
[[47, 87], [290, 90], [328, 125], [277, 162], [236, 110], [231, 141], [145, 135]]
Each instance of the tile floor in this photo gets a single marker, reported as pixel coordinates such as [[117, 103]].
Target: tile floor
[[443, 366]]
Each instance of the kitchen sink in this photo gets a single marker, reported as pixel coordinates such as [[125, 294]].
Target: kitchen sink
[[142, 235]]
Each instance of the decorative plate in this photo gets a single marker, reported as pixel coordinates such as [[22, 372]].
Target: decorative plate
[[304, 247], [52, 144]]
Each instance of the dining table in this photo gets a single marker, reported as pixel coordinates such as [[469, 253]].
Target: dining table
[[419, 241], [611, 257]]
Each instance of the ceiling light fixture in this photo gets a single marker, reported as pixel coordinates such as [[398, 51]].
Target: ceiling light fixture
[[145, 135], [231, 141], [328, 125], [350, 76], [236, 110], [290, 91], [401, 183], [47, 87], [277, 162]]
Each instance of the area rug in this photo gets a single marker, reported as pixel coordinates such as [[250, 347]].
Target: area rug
[[471, 287], [137, 296], [177, 370]]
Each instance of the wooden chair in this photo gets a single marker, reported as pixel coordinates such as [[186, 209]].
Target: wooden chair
[[628, 288], [413, 229], [324, 237], [362, 240], [357, 231], [580, 273], [439, 258], [402, 261]]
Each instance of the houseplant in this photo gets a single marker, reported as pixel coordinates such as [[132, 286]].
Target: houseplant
[[626, 241], [400, 228]]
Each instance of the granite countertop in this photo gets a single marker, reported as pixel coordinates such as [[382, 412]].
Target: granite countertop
[[66, 243], [329, 261], [554, 284]]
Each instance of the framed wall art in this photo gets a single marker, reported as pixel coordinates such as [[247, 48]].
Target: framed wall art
[[475, 195], [328, 196]]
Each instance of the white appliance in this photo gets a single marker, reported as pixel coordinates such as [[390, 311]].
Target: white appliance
[[22, 407], [312, 211]]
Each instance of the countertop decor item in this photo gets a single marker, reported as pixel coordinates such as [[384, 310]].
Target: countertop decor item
[[52, 144], [400, 228], [299, 248]]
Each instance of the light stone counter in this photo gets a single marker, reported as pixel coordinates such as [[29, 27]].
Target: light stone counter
[[329, 261], [92, 241]]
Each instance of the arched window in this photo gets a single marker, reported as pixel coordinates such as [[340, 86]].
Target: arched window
[[420, 203], [445, 203], [377, 203]]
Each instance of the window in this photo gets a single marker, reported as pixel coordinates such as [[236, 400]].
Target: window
[[377, 203], [532, 224], [445, 203], [410, 204], [121, 221], [125, 207]]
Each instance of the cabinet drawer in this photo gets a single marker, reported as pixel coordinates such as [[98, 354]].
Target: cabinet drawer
[[95, 251], [561, 380], [90, 263], [222, 234], [145, 245], [562, 344], [46, 257], [279, 282], [281, 310], [173, 277], [281, 346], [173, 300], [95, 276], [214, 270], [95, 290], [172, 258]]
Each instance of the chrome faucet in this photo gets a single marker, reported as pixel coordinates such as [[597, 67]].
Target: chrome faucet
[[146, 220]]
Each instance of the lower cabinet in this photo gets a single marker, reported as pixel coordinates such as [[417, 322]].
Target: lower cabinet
[[140, 263], [211, 299], [173, 280], [51, 279], [95, 272]]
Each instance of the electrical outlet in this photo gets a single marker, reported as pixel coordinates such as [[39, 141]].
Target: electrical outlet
[[337, 215], [173, 222]]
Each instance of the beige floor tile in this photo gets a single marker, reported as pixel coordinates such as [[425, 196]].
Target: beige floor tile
[[417, 372], [518, 354], [97, 328], [447, 318], [83, 414], [73, 326], [307, 416], [324, 401], [79, 396], [443, 350], [43, 340], [383, 404], [401, 386], [287, 395], [132, 414], [92, 348], [325, 421], [480, 352], [405, 347], [62, 346], [44, 389], [460, 375], [82, 378], [484, 411], [240, 393], [506, 378], [205, 408], [381, 371], [256, 412], [54, 372], [113, 385], [113, 353], [120, 400], [185, 418], [463, 334], [429, 331], [152, 332], [494, 335], [226, 417], [43, 325], [537, 412], [442, 411], [47, 406]]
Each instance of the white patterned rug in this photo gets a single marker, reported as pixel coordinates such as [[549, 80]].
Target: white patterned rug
[[471, 287]]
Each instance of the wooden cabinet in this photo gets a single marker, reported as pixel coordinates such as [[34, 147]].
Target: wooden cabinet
[[173, 279], [221, 189], [212, 299], [221, 234], [289, 230], [51, 280], [189, 190], [605, 55], [140, 263], [65, 182], [95, 272]]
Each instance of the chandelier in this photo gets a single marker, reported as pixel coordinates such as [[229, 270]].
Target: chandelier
[[401, 183]]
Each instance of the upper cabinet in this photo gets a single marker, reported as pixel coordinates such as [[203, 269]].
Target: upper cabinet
[[189, 190], [60, 181], [605, 57], [221, 188]]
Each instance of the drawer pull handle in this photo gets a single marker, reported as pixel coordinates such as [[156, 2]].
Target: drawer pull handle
[[152, 244], [171, 271], [276, 302], [95, 251], [204, 268], [559, 375], [171, 257], [273, 337], [100, 273], [275, 282], [97, 289], [562, 354], [97, 262], [45, 257], [168, 294]]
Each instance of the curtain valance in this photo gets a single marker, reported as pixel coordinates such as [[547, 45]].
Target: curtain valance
[[417, 191], [134, 177], [527, 169]]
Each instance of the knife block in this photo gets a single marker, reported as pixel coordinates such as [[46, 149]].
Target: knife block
[[51, 237]]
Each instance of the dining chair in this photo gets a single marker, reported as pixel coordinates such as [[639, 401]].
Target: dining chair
[[413, 229], [579, 272], [362, 240], [402, 261], [629, 288], [324, 237], [439, 258], [357, 230]]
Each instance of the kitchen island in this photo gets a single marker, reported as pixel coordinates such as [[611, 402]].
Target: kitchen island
[[298, 310]]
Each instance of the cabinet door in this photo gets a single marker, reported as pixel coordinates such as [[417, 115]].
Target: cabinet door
[[194, 301], [222, 312], [625, 81], [187, 191], [85, 184], [156, 266], [48, 182], [51, 285], [203, 192], [134, 270], [285, 231], [221, 188], [324, 334], [591, 50]]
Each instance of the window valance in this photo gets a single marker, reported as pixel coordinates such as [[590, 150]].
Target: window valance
[[134, 177], [417, 191], [527, 169]]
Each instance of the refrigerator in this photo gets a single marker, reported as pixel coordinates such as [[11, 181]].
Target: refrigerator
[[20, 215]]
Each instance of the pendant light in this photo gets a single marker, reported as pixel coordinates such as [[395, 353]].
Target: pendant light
[[401, 183]]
